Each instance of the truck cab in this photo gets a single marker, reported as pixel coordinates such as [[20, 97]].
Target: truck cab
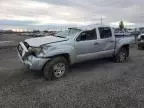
[[95, 43]]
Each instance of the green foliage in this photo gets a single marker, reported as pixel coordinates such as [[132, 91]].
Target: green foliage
[[121, 25]]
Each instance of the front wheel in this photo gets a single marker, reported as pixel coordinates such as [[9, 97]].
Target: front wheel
[[56, 68], [122, 55]]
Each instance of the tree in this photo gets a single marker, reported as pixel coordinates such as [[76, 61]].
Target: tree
[[121, 25]]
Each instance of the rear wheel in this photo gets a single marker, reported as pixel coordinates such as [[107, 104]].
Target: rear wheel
[[56, 68], [139, 47], [122, 55]]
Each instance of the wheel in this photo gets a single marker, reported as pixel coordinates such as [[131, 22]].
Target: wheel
[[56, 68], [139, 47], [122, 55]]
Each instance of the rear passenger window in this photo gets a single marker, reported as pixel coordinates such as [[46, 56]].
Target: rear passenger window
[[105, 32]]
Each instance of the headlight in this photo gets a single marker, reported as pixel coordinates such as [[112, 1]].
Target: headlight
[[35, 50]]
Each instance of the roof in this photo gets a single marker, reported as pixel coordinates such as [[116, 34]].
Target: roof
[[90, 27]]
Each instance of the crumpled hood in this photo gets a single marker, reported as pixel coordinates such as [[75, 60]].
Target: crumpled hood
[[36, 42]]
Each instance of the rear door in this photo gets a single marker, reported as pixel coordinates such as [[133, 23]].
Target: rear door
[[106, 41]]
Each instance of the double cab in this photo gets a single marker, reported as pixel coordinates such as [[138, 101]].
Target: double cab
[[54, 54]]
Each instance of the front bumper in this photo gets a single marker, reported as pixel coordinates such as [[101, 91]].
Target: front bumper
[[34, 63], [30, 61]]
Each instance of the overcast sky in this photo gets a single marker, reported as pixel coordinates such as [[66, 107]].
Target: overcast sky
[[42, 13]]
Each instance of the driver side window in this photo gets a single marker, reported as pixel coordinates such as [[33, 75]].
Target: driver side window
[[87, 35]]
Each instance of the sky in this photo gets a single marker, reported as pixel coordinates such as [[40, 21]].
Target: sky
[[45, 14]]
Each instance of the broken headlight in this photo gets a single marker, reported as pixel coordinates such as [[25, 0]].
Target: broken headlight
[[35, 50]]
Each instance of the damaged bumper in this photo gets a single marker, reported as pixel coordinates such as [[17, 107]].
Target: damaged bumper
[[30, 61]]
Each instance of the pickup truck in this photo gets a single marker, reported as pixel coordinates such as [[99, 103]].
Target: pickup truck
[[54, 54]]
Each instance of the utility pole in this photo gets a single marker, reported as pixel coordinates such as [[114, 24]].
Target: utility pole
[[101, 20]]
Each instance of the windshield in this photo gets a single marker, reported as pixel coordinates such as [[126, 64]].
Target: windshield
[[68, 33]]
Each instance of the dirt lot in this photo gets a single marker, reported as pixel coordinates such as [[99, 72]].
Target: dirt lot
[[93, 84], [11, 40], [12, 37]]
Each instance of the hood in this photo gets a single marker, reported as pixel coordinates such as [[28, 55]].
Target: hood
[[36, 42]]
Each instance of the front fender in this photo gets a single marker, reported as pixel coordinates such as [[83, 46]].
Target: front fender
[[59, 50]]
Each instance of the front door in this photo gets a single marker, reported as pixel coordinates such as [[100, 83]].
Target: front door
[[85, 45]]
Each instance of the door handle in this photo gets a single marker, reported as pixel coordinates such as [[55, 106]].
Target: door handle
[[96, 43]]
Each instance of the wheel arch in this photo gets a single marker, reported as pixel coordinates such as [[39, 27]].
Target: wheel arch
[[65, 55], [127, 46]]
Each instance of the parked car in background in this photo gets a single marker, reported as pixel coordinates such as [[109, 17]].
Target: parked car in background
[[54, 54], [140, 41]]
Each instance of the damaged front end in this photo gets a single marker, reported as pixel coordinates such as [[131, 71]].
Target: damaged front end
[[28, 56]]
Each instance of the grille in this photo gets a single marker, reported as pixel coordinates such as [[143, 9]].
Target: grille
[[26, 44], [20, 49]]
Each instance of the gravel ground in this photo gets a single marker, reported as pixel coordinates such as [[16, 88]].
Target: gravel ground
[[13, 37], [92, 84], [11, 40]]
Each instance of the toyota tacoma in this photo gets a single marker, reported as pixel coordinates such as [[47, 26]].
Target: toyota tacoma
[[54, 54]]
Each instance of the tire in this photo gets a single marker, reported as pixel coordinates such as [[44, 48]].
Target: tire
[[139, 47], [56, 68], [122, 55]]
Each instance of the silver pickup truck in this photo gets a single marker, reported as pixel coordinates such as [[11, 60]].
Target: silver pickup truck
[[54, 54]]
